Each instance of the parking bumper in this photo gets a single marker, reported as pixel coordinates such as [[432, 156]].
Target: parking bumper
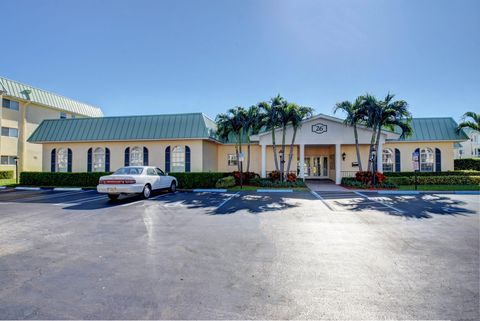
[[120, 188]]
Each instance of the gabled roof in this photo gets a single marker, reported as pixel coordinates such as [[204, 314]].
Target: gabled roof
[[125, 128], [43, 97], [434, 128]]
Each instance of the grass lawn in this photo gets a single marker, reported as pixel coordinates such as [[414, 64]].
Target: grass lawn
[[4, 182], [441, 187]]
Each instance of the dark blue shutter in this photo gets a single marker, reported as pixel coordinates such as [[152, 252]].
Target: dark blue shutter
[[89, 160], [145, 156], [127, 156], [167, 159], [107, 160], [69, 165], [397, 160], [187, 159], [53, 160], [438, 160]]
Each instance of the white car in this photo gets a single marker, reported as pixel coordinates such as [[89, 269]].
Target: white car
[[136, 180]]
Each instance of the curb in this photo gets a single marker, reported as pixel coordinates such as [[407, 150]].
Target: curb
[[24, 188], [3, 187], [398, 192], [64, 189], [274, 190], [209, 190]]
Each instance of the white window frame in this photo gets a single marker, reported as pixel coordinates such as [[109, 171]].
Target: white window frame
[[9, 102], [427, 160], [63, 115], [10, 160], [232, 160], [11, 132], [98, 159], [62, 160], [388, 162], [136, 156], [177, 159]]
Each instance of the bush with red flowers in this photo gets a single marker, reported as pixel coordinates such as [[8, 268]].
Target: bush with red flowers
[[274, 175], [366, 177], [247, 177], [291, 177]]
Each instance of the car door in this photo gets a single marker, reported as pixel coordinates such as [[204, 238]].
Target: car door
[[164, 180], [153, 178]]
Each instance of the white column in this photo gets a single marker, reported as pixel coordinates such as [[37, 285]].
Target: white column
[[264, 161], [302, 161], [379, 158], [338, 164]]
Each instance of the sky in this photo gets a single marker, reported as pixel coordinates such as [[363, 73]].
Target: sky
[[155, 57]]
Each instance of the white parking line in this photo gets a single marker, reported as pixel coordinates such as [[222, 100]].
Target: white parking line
[[323, 200], [150, 199], [48, 196], [379, 202], [228, 199]]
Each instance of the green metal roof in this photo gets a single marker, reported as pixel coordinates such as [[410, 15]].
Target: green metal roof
[[435, 128], [155, 127], [22, 91]]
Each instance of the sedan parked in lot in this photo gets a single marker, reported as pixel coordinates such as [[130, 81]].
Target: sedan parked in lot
[[136, 180]]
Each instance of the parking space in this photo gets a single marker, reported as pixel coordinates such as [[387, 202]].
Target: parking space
[[184, 255]]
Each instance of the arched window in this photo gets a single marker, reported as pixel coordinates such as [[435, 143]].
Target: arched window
[[136, 156], [426, 160], [178, 159], [387, 160], [99, 159], [62, 160]]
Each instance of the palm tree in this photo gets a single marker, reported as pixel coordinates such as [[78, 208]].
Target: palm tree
[[371, 111], [230, 125], [271, 121], [253, 123], [297, 115], [474, 123], [355, 115]]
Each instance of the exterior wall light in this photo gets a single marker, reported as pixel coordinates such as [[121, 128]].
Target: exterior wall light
[[344, 155]]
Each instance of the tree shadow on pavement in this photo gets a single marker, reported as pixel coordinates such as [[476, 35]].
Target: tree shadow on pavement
[[411, 206]]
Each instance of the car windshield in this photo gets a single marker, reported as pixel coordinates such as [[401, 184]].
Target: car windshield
[[129, 171]]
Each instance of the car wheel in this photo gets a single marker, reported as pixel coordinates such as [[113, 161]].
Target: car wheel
[[173, 187], [113, 197], [147, 191]]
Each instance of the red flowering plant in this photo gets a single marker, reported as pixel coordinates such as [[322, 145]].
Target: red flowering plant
[[291, 177], [247, 177], [366, 177], [274, 175]]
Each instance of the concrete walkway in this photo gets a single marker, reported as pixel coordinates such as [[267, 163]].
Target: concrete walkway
[[324, 185]]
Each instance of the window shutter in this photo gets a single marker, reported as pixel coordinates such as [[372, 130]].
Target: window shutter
[[398, 167], [418, 153], [69, 165], [145, 156], [438, 160], [107, 160], [127, 156], [53, 160], [187, 159], [167, 159], [89, 160]]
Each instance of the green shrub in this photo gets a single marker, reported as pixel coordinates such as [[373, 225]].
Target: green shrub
[[60, 179], [436, 180], [448, 173], [264, 182], [225, 182], [198, 179], [467, 164], [353, 182], [6, 174]]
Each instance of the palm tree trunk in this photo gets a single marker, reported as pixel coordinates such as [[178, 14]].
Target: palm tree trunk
[[274, 150], [290, 155], [357, 147], [377, 144], [282, 161], [372, 143], [248, 157], [237, 153]]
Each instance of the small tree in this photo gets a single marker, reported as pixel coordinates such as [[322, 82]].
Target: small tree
[[470, 120], [297, 115]]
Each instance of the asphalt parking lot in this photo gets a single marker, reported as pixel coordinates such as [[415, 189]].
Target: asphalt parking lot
[[344, 255]]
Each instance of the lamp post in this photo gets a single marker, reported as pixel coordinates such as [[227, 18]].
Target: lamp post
[[374, 164], [16, 169]]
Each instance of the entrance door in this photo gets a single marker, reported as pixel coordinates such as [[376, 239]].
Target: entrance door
[[316, 166]]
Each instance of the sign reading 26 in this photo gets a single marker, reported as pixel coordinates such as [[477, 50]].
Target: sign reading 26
[[319, 128]]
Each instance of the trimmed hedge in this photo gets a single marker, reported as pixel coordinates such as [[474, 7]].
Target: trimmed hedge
[[265, 182], [436, 180], [467, 164], [198, 179], [429, 174], [225, 182], [60, 179], [6, 174], [353, 182]]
